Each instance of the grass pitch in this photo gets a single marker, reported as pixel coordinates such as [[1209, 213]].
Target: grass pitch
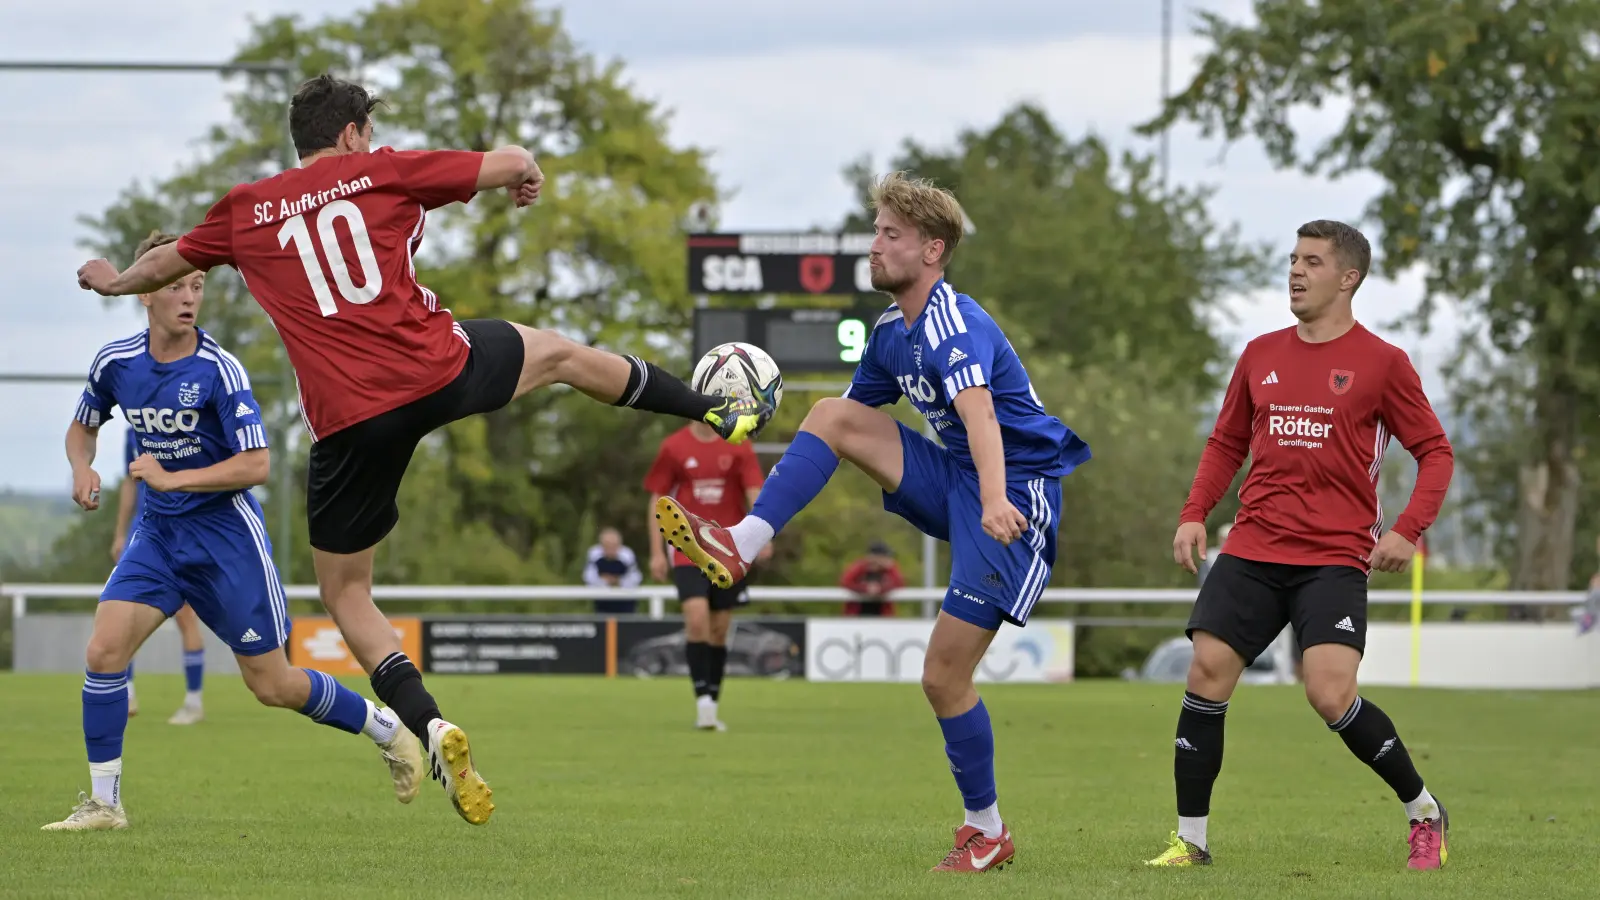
[[603, 790]]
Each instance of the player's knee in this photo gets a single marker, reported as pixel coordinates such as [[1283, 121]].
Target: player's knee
[[275, 689], [943, 683], [1215, 670], [105, 654], [832, 419], [1331, 697], [545, 355]]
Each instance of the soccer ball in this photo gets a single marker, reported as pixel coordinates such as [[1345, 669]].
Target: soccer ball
[[737, 369]]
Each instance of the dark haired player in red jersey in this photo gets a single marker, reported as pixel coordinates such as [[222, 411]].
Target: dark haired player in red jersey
[[1314, 406], [328, 251], [719, 483]]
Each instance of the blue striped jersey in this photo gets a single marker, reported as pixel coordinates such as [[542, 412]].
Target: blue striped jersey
[[189, 414], [953, 346]]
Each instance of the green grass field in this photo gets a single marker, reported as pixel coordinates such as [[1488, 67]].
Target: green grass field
[[815, 791]]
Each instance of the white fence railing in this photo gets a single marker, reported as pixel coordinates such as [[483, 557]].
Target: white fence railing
[[657, 596]]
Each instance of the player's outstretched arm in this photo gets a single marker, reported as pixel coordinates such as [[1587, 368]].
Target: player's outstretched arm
[[236, 473], [81, 443], [1001, 520], [151, 272]]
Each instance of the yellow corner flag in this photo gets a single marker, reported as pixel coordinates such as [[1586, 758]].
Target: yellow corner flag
[[1418, 564]]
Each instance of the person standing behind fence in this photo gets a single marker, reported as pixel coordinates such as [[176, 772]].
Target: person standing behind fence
[[872, 578], [612, 564]]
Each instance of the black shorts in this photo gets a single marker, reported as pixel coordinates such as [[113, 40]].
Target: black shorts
[[1247, 604], [692, 582], [355, 473]]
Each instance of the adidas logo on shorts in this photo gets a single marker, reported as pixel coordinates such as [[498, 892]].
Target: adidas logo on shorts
[[250, 636], [1346, 625]]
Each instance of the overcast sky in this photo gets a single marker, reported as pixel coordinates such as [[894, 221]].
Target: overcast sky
[[783, 92]]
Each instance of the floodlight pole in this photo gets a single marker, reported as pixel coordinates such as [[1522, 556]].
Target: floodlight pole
[[286, 71]]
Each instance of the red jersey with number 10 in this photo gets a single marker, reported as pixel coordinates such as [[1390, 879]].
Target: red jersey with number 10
[[1315, 420], [327, 250]]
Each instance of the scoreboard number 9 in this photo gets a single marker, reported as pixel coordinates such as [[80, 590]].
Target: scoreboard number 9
[[852, 334]]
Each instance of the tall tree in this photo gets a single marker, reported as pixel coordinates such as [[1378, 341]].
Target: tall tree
[[1082, 251], [1483, 120]]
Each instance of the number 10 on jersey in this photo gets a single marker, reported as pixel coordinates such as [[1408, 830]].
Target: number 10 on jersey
[[296, 231]]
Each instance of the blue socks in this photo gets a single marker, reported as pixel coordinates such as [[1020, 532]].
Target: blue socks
[[331, 703], [194, 668], [969, 742], [105, 714], [796, 480]]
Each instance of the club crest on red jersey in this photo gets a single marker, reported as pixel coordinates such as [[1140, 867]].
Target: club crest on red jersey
[[1340, 380]]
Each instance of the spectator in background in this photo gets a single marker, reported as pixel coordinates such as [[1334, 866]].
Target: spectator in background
[[871, 578], [611, 564]]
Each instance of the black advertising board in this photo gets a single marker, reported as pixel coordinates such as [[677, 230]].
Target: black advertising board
[[768, 648], [487, 645]]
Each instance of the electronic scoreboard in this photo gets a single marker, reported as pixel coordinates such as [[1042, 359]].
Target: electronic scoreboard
[[815, 338]]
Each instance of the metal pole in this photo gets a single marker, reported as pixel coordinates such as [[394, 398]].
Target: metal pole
[[291, 159], [1166, 79], [285, 488]]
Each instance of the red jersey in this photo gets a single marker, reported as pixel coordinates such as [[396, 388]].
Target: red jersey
[[1316, 419], [709, 478], [327, 251]]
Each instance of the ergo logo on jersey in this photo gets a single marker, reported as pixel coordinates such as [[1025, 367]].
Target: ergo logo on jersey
[[164, 420], [920, 389]]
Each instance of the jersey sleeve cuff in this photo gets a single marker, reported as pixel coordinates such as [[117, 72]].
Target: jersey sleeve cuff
[[88, 416], [251, 437]]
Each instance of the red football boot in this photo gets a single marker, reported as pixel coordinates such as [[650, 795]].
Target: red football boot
[[707, 544], [976, 854]]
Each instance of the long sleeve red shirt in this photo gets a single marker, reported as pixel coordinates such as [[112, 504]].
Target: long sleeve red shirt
[[1316, 419]]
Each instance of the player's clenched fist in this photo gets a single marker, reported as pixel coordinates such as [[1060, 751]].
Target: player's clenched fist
[[149, 471], [526, 192], [1002, 522], [1191, 538], [96, 275], [1393, 553], [86, 488]]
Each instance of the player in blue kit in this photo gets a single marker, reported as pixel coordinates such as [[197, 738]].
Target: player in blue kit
[[992, 491], [130, 507], [202, 539]]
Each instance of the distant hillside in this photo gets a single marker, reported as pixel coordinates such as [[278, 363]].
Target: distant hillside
[[29, 525]]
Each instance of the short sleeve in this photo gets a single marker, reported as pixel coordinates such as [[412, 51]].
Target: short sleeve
[[97, 400], [436, 178], [962, 356], [210, 244], [872, 384], [235, 405], [663, 475]]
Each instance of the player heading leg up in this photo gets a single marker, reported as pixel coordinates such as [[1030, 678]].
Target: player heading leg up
[[202, 538], [1316, 404], [381, 364], [992, 491]]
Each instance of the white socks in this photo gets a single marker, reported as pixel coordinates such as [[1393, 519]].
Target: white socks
[[750, 535], [381, 726], [986, 820], [1423, 807], [1193, 830], [191, 699], [105, 779]]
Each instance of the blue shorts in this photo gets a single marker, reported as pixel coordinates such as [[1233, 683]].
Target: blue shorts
[[219, 561], [990, 582]]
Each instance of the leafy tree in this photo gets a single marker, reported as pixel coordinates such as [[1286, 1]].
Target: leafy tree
[[1083, 253], [1482, 119]]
